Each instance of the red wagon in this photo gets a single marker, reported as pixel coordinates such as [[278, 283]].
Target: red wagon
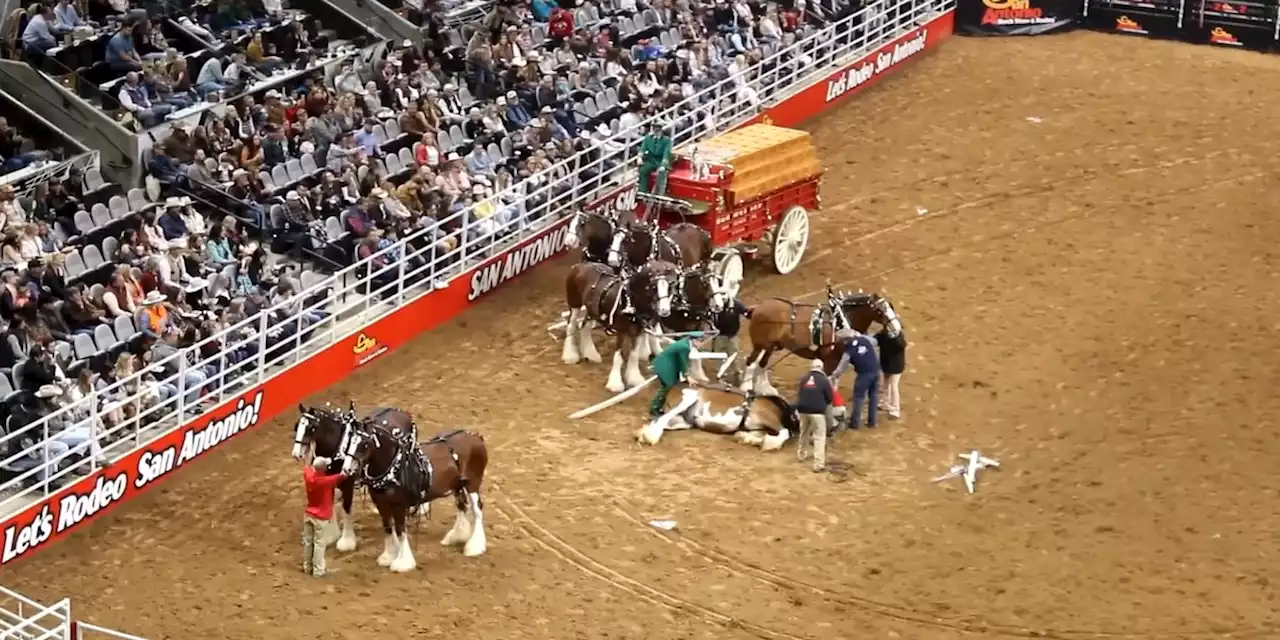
[[751, 189]]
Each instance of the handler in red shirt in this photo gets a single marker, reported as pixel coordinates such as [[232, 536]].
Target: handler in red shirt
[[318, 531]]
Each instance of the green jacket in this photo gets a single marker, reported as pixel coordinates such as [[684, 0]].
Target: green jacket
[[673, 362], [655, 150]]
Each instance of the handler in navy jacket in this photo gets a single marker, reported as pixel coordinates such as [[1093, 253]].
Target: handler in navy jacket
[[860, 352], [893, 361], [813, 403]]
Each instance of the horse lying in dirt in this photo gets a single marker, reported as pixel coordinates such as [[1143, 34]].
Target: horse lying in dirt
[[764, 421]]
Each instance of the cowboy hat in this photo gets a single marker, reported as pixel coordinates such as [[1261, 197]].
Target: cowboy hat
[[154, 297], [49, 391], [173, 202], [816, 365]]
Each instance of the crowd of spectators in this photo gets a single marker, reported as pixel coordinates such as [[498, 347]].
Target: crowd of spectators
[[16, 150], [341, 163], [144, 65], [345, 163]]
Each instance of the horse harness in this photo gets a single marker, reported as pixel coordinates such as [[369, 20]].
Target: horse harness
[[618, 301], [829, 312], [409, 458]]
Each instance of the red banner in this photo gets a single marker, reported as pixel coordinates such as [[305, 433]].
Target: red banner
[[858, 75], [64, 512]]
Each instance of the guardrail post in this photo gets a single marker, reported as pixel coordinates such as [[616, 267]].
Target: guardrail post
[[93, 428], [403, 248], [182, 386], [45, 462], [262, 346]]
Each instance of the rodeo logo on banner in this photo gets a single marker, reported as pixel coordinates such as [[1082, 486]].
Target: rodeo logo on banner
[[1015, 17]]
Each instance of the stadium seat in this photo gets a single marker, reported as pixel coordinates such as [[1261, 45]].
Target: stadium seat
[[6, 388], [393, 164], [277, 216], [406, 158], [124, 329], [109, 248], [62, 351], [379, 134], [267, 182], [443, 142], [93, 258], [83, 346], [294, 168], [309, 164], [333, 230], [101, 216], [455, 134], [99, 211], [495, 154], [95, 293], [84, 222], [93, 180], [137, 200], [393, 129], [104, 337], [74, 265], [119, 206], [280, 176]]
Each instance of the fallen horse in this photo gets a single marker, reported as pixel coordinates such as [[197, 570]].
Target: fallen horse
[[764, 421]]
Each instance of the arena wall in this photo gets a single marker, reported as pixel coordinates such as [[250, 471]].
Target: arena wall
[[64, 511]]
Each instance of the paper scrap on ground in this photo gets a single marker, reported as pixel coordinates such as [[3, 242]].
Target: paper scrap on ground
[[665, 525]]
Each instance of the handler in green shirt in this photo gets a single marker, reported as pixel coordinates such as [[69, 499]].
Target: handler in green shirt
[[655, 155], [671, 366]]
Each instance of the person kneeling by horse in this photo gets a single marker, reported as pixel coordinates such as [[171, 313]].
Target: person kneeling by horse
[[318, 531], [671, 366]]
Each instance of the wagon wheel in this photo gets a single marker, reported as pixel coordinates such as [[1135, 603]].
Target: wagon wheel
[[730, 272], [790, 239]]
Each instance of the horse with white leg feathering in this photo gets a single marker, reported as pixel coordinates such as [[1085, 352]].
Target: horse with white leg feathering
[[327, 431], [402, 474], [624, 304], [809, 330], [766, 421]]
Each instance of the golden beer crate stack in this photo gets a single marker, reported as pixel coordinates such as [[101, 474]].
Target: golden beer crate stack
[[763, 157]]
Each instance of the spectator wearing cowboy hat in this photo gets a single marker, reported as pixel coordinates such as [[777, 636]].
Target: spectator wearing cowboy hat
[[171, 222], [154, 317]]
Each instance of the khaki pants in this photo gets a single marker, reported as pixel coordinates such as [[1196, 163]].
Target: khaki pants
[[891, 398], [317, 535], [813, 435]]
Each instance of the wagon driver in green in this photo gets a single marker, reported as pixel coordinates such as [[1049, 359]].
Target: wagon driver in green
[[655, 157], [671, 366]]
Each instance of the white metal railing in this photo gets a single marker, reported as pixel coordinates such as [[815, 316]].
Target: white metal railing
[[22, 618], [55, 449], [26, 183]]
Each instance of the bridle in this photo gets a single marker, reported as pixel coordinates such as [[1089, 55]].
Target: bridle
[[374, 434], [309, 419]]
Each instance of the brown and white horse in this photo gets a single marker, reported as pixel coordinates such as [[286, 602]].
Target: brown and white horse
[[624, 305], [765, 421], [641, 241], [403, 474], [809, 330]]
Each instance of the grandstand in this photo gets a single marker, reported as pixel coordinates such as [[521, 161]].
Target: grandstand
[[445, 156]]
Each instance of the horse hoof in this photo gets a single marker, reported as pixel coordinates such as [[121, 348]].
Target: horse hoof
[[570, 359], [594, 359], [402, 565], [616, 386], [346, 545]]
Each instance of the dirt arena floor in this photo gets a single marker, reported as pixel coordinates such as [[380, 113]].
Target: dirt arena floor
[[1092, 297]]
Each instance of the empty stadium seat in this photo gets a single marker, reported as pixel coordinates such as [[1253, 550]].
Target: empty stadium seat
[[74, 265], [101, 216], [393, 129], [406, 158], [84, 221], [124, 329], [280, 176], [104, 337], [93, 180], [309, 164], [109, 248], [137, 200], [119, 206], [93, 258], [83, 346], [294, 168]]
